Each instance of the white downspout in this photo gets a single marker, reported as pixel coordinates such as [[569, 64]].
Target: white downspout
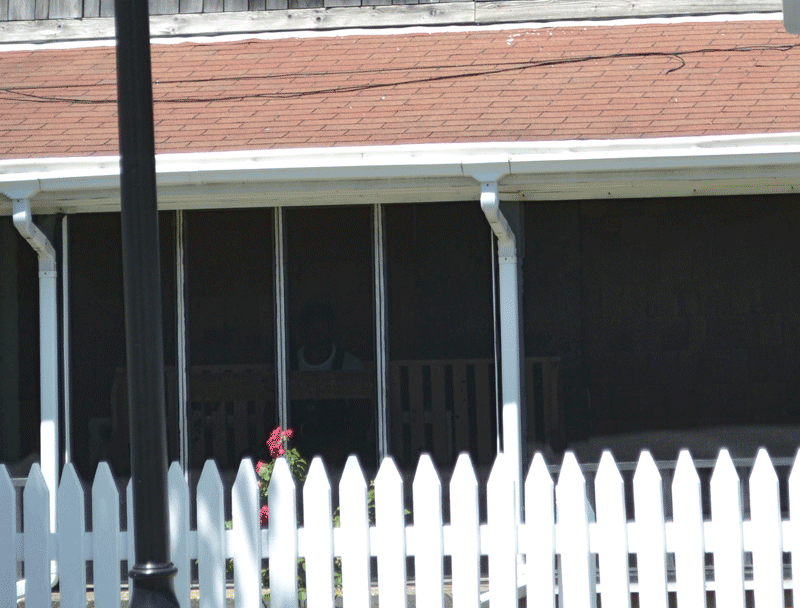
[[510, 351], [48, 349]]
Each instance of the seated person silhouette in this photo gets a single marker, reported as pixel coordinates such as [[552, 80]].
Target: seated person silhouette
[[329, 426]]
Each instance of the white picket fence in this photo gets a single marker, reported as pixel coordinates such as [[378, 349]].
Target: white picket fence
[[593, 552]]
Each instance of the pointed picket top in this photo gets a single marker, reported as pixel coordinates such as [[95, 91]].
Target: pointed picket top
[[36, 514], [178, 491], [651, 550], [8, 530], [354, 528], [427, 497], [573, 520], [687, 515], [71, 526], [726, 515], [246, 537], [388, 476], [765, 518], [211, 548], [429, 542], [794, 516], [317, 511], [317, 475], [105, 537], [352, 475], [465, 534], [501, 508], [282, 537], [612, 524], [539, 540], [391, 532]]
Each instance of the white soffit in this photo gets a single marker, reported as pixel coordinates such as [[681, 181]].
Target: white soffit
[[685, 166]]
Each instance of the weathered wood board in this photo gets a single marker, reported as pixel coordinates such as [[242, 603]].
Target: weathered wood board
[[248, 15], [33, 19]]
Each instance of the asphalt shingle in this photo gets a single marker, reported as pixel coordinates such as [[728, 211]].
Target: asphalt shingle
[[596, 82]]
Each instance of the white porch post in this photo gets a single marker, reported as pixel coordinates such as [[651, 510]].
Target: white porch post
[[510, 350]]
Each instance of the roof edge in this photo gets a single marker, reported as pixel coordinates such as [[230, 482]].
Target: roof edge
[[752, 157]]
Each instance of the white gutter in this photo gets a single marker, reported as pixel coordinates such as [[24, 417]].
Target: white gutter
[[48, 348], [571, 170]]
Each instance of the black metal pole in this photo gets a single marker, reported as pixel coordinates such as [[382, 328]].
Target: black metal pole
[[153, 572]]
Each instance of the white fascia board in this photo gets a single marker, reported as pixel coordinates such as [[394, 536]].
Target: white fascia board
[[646, 160], [773, 160]]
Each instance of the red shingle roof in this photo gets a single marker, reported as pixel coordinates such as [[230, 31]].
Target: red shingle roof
[[691, 78]]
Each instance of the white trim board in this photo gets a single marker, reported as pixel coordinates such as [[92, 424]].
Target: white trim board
[[382, 20], [679, 166]]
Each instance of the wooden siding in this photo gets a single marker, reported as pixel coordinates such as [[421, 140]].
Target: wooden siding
[[478, 11]]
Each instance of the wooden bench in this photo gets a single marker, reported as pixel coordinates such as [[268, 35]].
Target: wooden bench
[[442, 407], [445, 407]]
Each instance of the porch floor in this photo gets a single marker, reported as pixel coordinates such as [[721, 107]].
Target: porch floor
[[781, 441]]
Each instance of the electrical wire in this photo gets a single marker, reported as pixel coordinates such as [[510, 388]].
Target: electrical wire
[[23, 93]]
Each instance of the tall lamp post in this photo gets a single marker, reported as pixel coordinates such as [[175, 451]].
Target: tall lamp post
[[153, 573]]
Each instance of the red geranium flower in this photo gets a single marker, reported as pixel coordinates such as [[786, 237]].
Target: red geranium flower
[[275, 443], [264, 515]]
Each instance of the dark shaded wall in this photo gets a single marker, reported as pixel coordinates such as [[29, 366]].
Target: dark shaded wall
[[551, 299], [668, 313], [20, 410]]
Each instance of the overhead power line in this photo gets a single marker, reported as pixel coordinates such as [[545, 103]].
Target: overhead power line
[[467, 70]]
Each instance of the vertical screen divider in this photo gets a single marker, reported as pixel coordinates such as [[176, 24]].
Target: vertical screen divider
[[381, 364], [181, 375], [281, 396], [65, 337]]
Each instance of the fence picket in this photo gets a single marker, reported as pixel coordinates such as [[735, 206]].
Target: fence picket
[[765, 517], [355, 551], [211, 549], [36, 514], [651, 540], [539, 541], [105, 537], [465, 534], [612, 525], [319, 536], [428, 543], [726, 515], [572, 536], [794, 517], [391, 534], [8, 533], [246, 537], [282, 537], [178, 491], [502, 520], [688, 526], [71, 526]]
